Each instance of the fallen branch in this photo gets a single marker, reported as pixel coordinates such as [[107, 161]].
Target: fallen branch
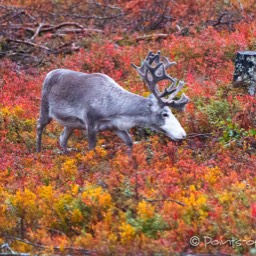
[[44, 28], [68, 47], [37, 31], [64, 24], [164, 200], [24, 30], [49, 28], [7, 250], [29, 43], [55, 248], [79, 27], [68, 31], [151, 37]]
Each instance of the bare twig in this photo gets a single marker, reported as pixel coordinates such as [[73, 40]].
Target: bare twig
[[37, 31], [8, 251], [240, 6], [165, 200], [55, 248], [226, 18], [192, 135], [7, 247]]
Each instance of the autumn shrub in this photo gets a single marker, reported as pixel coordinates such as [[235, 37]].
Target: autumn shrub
[[217, 111], [19, 129]]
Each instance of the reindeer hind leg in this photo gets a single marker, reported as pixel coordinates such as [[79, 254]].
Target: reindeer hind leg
[[42, 121]]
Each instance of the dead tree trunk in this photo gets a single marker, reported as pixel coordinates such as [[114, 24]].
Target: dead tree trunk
[[245, 71]]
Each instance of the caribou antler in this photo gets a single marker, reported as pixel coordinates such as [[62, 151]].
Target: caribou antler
[[152, 71]]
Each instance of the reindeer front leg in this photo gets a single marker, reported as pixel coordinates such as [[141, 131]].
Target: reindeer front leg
[[91, 138], [126, 138], [66, 133]]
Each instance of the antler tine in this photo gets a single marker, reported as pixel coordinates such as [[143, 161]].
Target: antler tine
[[177, 89], [156, 73], [170, 90], [153, 75], [168, 63], [153, 57], [179, 104], [152, 71]]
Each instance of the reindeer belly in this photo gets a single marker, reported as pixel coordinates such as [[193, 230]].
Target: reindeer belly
[[68, 119], [117, 123], [122, 124]]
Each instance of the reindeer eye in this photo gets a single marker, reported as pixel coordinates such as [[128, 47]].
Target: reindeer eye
[[165, 115]]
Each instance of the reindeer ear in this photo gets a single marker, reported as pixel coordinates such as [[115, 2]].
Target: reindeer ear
[[153, 103]]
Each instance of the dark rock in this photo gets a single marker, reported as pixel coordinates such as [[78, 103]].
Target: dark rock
[[245, 71]]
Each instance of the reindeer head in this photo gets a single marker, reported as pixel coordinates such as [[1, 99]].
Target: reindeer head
[[152, 71]]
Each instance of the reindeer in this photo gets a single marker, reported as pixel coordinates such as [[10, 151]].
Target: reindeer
[[95, 102]]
